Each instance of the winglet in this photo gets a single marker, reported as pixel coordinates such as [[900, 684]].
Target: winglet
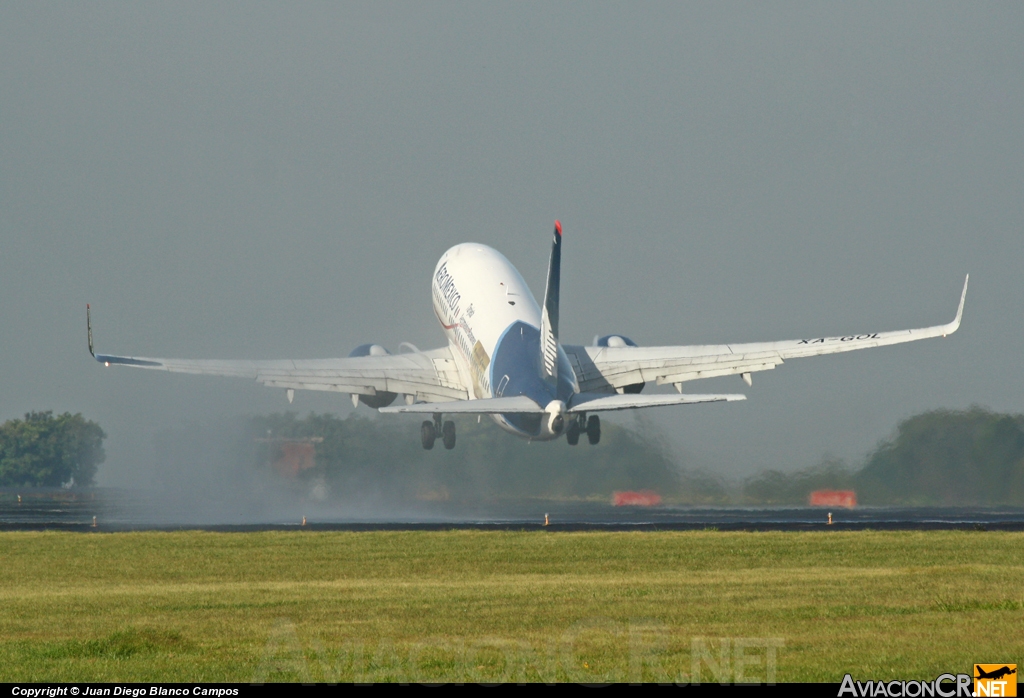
[[955, 325], [88, 327]]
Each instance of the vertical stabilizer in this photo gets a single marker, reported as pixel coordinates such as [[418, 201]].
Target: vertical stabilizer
[[549, 314]]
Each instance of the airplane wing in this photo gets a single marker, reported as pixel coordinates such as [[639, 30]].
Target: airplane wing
[[606, 369], [430, 376]]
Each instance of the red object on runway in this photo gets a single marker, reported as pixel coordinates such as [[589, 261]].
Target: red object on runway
[[296, 456], [834, 498], [643, 498]]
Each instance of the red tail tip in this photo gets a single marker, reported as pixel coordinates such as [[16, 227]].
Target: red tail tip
[[558, 228]]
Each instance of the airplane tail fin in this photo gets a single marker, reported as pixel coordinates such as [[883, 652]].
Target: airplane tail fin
[[549, 314]]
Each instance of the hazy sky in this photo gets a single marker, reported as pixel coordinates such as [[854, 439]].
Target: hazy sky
[[278, 181]]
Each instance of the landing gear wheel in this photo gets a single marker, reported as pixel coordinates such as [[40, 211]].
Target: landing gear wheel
[[572, 433], [448, 435], [427, 435], [593, 429]]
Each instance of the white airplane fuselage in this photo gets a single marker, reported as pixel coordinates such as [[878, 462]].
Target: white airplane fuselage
[[492, 323]]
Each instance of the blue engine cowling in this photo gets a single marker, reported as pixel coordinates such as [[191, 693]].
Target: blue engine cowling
[[618, 340], [615, 340], [382, 398]]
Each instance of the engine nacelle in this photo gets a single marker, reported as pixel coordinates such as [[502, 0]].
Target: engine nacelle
[[369, 350], [615, 341], [383, 398]]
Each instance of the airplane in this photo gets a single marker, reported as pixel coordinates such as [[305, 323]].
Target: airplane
[[504, 359], [994, 674]]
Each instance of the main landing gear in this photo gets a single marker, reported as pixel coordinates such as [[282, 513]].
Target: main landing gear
[[580, 424], [429, 431]]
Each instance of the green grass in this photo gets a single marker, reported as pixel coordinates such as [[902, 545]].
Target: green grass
[[491, 606]]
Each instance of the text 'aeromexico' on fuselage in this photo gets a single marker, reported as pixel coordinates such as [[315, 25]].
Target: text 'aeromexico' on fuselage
[[493, 324]]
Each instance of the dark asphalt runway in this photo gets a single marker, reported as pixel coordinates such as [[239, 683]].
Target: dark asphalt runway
[[132, 511]]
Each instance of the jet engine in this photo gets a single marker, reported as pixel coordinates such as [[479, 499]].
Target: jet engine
[[381, 399], [615, 341]]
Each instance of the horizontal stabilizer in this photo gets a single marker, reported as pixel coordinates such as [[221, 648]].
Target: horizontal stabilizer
[[495, 405], [599, 402]]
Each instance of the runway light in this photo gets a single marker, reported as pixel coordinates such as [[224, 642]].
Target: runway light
[[830, 518], [303, 520], [94, 522], [546, 522]]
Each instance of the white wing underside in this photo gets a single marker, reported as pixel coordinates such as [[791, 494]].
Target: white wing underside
[[604, 369], [430, 376]]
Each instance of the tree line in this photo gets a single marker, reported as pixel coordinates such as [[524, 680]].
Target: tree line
[[43, 450], [360, 456], [941, 457]]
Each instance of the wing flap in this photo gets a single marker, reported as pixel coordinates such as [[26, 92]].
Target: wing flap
[[420, 389], [714, 370]]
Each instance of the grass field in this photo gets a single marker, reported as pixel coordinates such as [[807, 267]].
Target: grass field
[[493, 606]]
